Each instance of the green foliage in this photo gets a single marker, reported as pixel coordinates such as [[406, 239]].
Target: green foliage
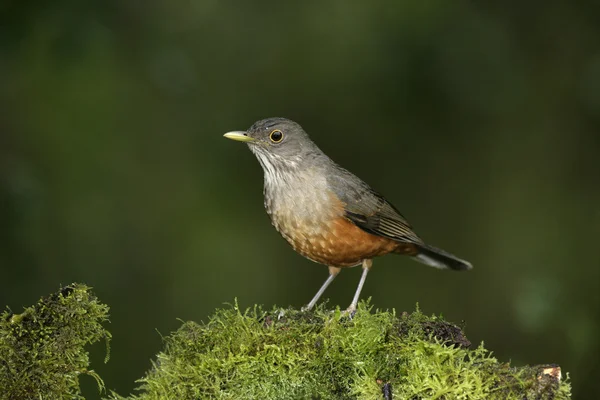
[[42, 349], [290, 354]]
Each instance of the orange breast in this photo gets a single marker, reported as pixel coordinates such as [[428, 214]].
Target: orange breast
[[318, 230], [343, 244]]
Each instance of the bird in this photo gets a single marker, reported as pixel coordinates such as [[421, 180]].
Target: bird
[[325, 212]]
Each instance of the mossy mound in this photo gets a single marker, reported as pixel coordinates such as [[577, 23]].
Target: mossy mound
[[290, 354], [275, 354], [42, 349]]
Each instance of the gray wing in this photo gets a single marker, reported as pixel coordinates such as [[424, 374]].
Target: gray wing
[[368, 210]]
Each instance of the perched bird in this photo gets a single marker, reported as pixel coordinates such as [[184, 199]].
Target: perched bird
[[326, 213]]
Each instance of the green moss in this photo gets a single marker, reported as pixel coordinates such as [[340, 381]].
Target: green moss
[[42, 349], [289, 354], [275, 354]]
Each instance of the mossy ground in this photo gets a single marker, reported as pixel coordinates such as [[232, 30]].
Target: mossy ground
[[290, 354], [272, 354]]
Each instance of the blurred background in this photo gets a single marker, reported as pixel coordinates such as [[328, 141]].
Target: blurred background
[[478, 120]]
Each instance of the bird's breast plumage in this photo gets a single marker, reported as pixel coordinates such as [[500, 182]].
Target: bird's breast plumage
[[308, 214]]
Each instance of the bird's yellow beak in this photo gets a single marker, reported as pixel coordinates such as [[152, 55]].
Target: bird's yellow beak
[[240, 136]]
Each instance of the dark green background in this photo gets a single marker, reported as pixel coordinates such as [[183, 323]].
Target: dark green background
[[478, 120]]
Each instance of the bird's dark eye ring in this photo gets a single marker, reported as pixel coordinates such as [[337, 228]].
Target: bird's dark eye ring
[[276, 136]]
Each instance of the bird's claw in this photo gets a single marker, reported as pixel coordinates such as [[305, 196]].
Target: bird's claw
[[350, 311]]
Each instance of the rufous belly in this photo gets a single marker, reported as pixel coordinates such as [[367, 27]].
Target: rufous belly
[[340, 243]]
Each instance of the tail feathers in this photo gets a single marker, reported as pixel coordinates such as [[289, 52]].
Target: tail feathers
[[437, 258]]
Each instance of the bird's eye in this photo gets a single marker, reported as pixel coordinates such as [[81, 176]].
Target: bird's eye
[[276, 136]]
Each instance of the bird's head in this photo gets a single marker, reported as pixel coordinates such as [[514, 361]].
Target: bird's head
[[277, 142]]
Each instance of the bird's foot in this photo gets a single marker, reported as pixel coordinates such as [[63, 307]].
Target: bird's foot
[[280, 314], [350, 311]]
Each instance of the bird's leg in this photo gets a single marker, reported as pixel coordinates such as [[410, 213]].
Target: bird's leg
[[333, 271], [366, 266]]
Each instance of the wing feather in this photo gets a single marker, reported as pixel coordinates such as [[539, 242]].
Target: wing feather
[[369, 210]]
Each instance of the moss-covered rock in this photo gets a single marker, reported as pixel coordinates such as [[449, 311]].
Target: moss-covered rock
[[290, 354], [42, 349], [274, 354]]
